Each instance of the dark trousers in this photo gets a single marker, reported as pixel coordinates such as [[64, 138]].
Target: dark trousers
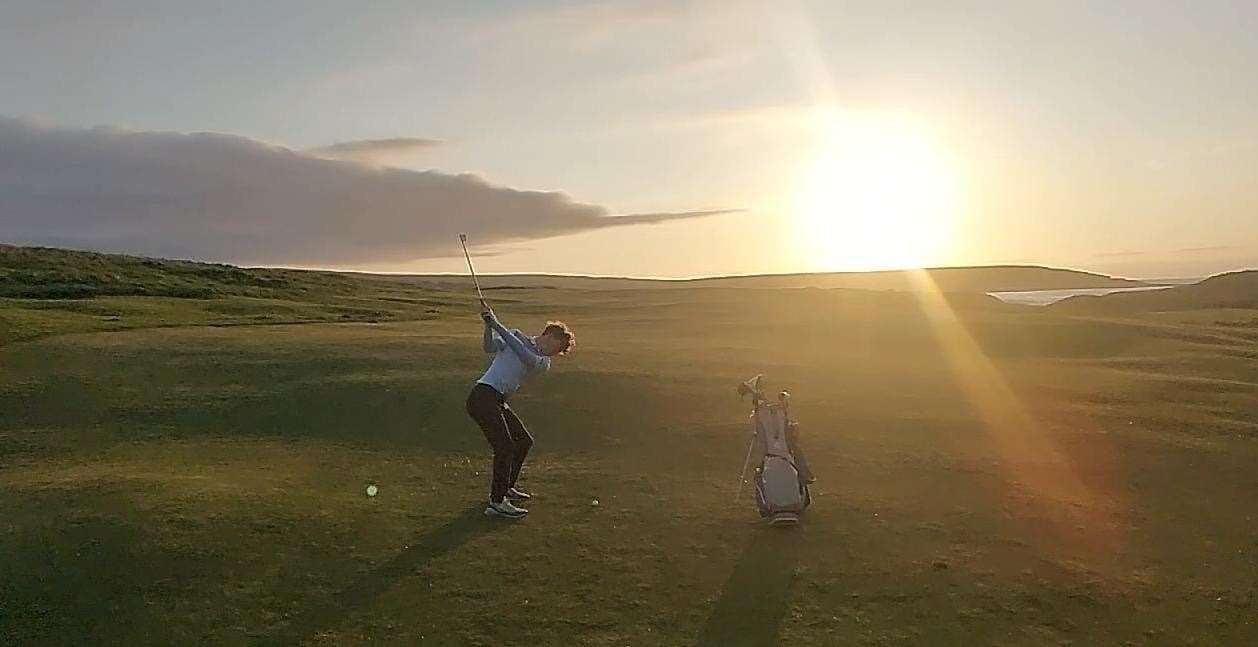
[[505, 433]]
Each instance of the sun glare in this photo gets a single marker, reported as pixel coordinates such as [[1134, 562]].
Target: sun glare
[[879, 195]]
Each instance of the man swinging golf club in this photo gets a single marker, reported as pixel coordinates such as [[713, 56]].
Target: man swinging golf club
[[516, 357]]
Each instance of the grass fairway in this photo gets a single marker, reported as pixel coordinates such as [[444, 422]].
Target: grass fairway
[[988, 474]]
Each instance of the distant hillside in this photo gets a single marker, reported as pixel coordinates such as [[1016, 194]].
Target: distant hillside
[[52, 291], [996, 278], [1231, 290], [51, 273], [47, 273]]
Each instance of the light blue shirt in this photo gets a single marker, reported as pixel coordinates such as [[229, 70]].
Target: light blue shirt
[[515, 358]]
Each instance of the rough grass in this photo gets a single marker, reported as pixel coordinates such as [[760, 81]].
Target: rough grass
[[46, 273], [167, 482], [52, 291]]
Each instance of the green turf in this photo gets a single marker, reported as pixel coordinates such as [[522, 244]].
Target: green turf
[[193, 471]]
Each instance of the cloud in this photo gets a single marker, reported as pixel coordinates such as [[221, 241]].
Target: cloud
[[223, 197], [584, 25], [1213, 249], [375, 151]]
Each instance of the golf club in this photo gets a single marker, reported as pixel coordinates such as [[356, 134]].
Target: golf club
[[479, 294]]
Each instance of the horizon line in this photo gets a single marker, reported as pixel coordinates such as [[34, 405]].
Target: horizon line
[[666, 279], [710, 277]]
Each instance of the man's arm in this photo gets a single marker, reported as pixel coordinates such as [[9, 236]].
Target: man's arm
[[528, 356], [491, 342]]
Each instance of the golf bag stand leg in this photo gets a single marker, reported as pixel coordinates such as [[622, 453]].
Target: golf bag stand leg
[[746, 461]]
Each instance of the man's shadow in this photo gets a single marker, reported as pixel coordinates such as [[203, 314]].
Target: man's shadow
[[328, 615], [753, 603]]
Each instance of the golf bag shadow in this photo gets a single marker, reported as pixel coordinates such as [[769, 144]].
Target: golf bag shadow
[[780, 489]]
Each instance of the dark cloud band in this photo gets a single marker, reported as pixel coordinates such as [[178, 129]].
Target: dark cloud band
[[222, 197]]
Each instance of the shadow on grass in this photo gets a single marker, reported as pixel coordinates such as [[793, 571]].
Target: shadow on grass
[[329, 614], [756, 595], [84, 580]]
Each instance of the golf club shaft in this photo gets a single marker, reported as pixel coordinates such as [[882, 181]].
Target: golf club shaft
[[480, 295]]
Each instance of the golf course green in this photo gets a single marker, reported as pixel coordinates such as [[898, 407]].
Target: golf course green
[[185, 451]]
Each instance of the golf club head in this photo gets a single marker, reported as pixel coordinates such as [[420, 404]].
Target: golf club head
[[463, 238], [750, 387]]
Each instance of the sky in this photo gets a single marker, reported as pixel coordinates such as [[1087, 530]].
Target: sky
[[636, 138]]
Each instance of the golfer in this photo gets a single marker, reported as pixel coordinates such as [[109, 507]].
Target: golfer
[[516, 357]]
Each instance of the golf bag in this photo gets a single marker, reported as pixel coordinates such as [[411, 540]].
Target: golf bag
[[781, 490]]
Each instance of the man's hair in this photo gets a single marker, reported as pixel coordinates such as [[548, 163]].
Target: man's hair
[[559, 330]]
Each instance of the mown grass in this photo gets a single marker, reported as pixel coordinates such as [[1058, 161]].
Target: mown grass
[[167, 481]]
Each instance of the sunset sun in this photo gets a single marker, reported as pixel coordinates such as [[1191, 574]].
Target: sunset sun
[[880, 194]]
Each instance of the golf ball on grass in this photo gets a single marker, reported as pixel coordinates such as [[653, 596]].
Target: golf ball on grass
[[594, 503], [372, 490]]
